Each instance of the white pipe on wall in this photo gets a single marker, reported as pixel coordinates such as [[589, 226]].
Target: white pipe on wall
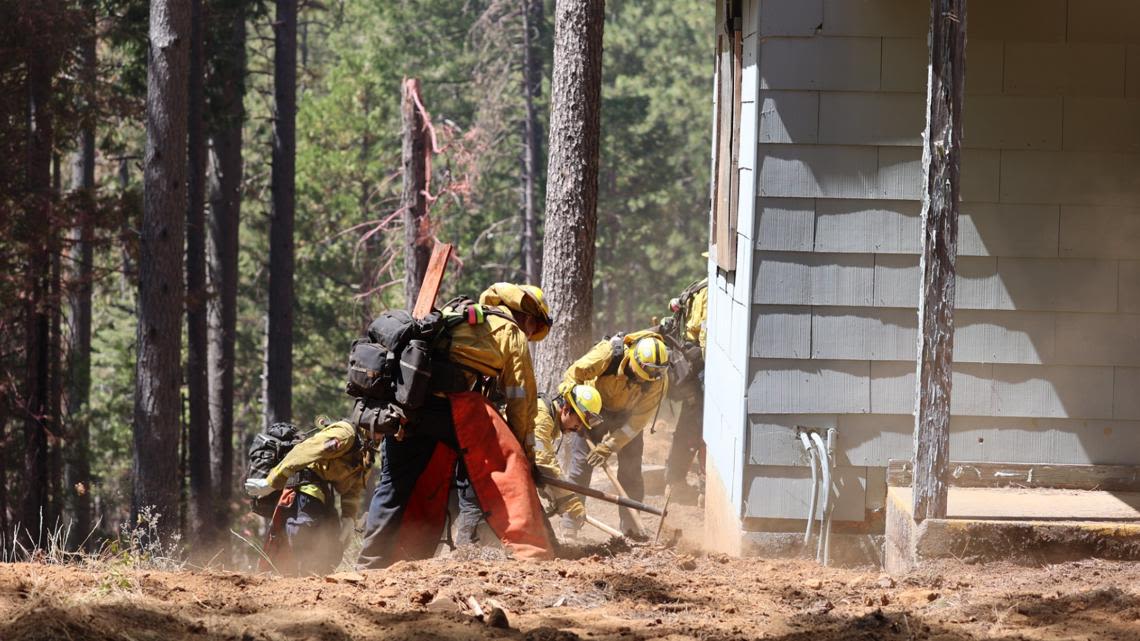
[[821, 553], [814, 485]]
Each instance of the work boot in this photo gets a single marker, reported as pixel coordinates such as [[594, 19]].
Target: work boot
[[569, 527]]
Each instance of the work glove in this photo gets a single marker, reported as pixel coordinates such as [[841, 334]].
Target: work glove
[[347, 528], [258, 488], [600, 452]]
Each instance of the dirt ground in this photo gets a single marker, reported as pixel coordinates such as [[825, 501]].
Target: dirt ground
[[600, 590], [609, 593]]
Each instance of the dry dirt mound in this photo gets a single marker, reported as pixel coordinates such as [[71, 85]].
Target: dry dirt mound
[[641, 593]]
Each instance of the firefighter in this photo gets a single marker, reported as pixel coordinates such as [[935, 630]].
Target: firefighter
[[629, 372], [565, 415], [332, 462], [458, 431], [686, 331]]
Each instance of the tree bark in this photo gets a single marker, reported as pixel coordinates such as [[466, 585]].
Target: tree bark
[[40, 66], [226, 52], [160, 301], [279, 336], [77, 467], [55, 359], [532, 135], [941, 160], [572, 185], [417, 233], [200, 512]]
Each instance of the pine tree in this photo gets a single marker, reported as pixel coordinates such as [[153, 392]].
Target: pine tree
[[572, 185]]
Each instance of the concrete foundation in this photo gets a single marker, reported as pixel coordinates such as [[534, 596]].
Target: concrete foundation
[[1018, 525]]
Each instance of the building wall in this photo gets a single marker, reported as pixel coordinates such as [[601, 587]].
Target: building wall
[[1047, 348], [729, 322]]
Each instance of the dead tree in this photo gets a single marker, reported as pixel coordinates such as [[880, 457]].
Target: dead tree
[[413, 202], [941, 161], [158, 366], [278, 404], [572, 185]]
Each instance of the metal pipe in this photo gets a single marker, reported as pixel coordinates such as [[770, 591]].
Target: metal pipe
[[825, 467], [814, 484]]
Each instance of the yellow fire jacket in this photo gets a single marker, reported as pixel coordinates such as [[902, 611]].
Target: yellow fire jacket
[[547, 428], [625, 397], [331, 454], [696, 317], [498, 348]]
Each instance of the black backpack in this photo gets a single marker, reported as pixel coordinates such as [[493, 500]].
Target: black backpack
[[390, 371], [269, 448]]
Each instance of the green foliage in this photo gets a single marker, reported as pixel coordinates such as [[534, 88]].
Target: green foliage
[[653, 185], [653, 196]]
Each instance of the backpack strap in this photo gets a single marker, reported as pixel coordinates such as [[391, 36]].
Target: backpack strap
[[617, 345]]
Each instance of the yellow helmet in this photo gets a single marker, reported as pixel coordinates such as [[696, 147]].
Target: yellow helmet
[[586, 403], [648, 358], [527, 299]]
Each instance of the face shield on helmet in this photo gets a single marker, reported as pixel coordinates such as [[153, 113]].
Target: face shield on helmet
[[649, 358], [587, 404]]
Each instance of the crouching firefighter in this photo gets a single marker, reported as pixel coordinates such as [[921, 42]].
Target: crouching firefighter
[[566, 414], [306, 533], [629, 372], [457, 432]]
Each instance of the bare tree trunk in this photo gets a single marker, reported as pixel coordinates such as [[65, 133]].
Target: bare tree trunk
[[5, 528], [278, 404], [572, 185], [40, 133], [417, 235], [532, 135], [941, 159], [158, 368], [227, 78], [77, 467], [126, 279], [55, 360], [200, 513]]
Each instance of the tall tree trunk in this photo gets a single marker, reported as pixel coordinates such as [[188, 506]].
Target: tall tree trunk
[[226, 52], [417, 235], [126, 279], [532, 135], [5, 529], [200, 513], [55, 359], [158, 365], [40, 133], [278, 404], [77, 467], [572, 185]]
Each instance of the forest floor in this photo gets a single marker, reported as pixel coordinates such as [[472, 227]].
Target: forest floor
[[615, 593], [600, 590]]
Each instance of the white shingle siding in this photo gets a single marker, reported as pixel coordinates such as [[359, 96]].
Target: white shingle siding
[[1047, 344]]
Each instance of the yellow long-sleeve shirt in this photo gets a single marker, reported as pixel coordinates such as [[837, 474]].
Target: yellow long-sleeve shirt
[[498, 348], [547, 429], [624, 396], [329, 455], [696, 317]]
